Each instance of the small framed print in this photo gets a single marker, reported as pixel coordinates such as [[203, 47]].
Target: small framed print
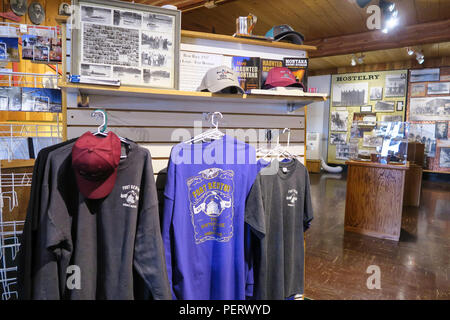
[[366, 108], [400, 105]]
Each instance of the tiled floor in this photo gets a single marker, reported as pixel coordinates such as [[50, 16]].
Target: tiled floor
[[416, 267]]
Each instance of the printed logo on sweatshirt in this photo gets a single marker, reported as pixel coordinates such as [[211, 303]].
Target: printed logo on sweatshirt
[[211, 197], [292, 197], [130, 194]]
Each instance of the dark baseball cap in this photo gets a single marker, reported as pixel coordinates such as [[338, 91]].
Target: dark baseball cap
[[281, 77], [95, 161], [221, 79], [285, 32]]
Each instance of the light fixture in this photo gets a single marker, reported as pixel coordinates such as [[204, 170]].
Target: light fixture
[[353, 63], [361, 59], [410, 51], [390, 14], [420, 57]]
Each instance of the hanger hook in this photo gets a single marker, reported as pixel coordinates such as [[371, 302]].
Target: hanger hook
[[102, 113], [289, 135], [213, 117]]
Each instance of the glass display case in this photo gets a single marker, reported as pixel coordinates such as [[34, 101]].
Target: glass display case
[[383, 142]]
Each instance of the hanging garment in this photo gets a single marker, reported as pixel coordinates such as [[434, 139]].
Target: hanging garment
[[279, 210], [114, 242], [28, 237], [203, 223]]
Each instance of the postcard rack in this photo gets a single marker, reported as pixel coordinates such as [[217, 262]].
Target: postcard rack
[[36, 80], [14, 29], [10, 133], [10, 231]]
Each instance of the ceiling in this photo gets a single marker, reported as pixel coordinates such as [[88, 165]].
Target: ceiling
[[316, 19]]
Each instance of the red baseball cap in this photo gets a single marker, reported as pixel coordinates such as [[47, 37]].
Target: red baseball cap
[[95, 161], [281, 77]]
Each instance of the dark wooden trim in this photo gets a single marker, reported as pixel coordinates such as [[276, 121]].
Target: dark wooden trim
[[431, 32]]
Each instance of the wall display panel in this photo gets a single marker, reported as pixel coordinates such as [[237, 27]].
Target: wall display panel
[[137, 44], [429, 115], [367, 98]]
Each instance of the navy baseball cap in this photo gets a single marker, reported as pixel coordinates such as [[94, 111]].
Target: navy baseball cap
[[285, 32]]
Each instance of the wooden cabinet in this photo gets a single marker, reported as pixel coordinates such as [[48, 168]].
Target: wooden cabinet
[[374, 200]]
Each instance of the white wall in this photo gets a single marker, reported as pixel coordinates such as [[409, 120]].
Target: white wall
[[318, 112]]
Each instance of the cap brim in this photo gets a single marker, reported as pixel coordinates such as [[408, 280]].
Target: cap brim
[[283, 84], [292, 36], [218, 89], [96, 189]]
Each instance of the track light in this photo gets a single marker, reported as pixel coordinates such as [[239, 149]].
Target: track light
[[353, 63], [361, 59], [390, 15], [420, 57], [410, 51]]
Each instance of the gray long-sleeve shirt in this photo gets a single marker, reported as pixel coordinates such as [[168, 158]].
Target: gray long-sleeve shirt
[[114, 243], [279, 210]]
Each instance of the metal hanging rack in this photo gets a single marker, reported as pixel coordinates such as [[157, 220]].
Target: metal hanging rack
[[9, 132], [10, 230]]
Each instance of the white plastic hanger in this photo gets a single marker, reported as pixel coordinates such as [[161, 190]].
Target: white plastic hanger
[[278, 151], [212, 134]]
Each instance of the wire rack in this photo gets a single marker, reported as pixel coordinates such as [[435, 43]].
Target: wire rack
[[22, 79], [10, 231], [13, 137]]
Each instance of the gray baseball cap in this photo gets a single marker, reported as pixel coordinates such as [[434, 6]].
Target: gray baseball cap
[[221, 79]]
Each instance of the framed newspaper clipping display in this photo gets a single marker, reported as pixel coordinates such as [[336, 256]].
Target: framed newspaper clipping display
[[134, 43]]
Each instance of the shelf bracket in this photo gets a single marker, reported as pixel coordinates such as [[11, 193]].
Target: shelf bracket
[[292, 106]]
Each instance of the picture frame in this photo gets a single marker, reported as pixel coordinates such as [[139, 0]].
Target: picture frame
[[418, 90], [400, 105], [140, 44], [438, 88]]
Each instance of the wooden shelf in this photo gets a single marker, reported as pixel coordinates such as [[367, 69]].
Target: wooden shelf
[[293, 102], [221, 37], [5, 164]]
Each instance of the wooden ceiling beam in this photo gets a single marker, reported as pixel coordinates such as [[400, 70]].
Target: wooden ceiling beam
[[419, 34]]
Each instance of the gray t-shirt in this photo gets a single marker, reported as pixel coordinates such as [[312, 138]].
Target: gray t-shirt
[[279, 210]]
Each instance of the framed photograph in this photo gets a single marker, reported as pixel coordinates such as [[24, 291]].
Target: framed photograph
[[134, 43], [400, 105], [423, 75], [339, 120], [19, 7], [372, 141], [366, 108], [444, 158], [429, 109], [350, 94], [445, 74], [441, 130], [338, 138], [418, 90], [439, 88], [376, 93], [36, 12], [385, 106], [391, 118], [395, 85]]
